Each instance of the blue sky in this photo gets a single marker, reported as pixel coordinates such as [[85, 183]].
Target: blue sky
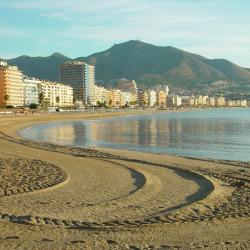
[[212, 28]]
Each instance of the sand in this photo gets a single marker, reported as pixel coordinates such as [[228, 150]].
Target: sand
[[58, 197]]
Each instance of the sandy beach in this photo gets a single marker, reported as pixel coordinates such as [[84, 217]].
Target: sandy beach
[[58, 197]]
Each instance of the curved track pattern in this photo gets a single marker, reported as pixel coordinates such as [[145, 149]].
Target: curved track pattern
[[145, 199]]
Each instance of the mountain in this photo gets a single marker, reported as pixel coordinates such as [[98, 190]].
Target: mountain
[[149, 64], [40, 67], [146, 63]]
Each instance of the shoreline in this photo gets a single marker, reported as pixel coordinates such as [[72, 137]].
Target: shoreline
[[127, 114], [133, 194]]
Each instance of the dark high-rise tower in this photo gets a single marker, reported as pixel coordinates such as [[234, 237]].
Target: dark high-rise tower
[[79, 75]]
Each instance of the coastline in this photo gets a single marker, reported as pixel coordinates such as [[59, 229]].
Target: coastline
[[120, 191], [133, 140]]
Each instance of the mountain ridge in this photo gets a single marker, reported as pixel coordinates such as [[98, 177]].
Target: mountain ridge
[[146, 63]]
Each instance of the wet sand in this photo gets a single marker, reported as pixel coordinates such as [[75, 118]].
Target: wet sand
[[58, 197]]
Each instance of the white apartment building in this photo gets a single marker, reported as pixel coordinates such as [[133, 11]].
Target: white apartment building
[[241, 103], [31, 91], [231, 103], [167, 90], [126, 98], [109, 98], [220, 101], [211, 101], [152, 98], [56, 94], [202, 100], [98, 94], [177, 101], [191, 101], [116, 97], [89, 81]]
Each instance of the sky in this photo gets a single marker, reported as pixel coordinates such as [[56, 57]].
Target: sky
[[212, 28]]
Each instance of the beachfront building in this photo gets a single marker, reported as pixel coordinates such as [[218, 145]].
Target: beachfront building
[[116, 97], [140, 97], [152, 98], [98, 95], [81, 77], [31, 91], [241, 103], [3, 83], [230, 103], [191, 101], [167, 90], [198, 101], [146, 98], [11, 85], [56, 94], [211, 101], [220, 101], [161, 99], [143, 98], [130, 86], [177, 101], [202, 100], [89, 81], [123, 99], [109, 98], [126, 98], [134, 100], [185, 100]]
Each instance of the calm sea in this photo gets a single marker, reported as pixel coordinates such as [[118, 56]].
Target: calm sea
[[208, 133]]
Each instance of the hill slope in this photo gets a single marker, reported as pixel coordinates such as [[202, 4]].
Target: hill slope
[[40, 67], [154, 64], [146, 63]]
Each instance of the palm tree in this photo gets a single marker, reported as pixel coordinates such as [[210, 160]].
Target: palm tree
[[57, 99], [41, 98], [110, 103]]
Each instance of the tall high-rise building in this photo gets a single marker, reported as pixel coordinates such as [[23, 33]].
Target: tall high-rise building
[[81, 76], [11, 85], [89, 81]]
